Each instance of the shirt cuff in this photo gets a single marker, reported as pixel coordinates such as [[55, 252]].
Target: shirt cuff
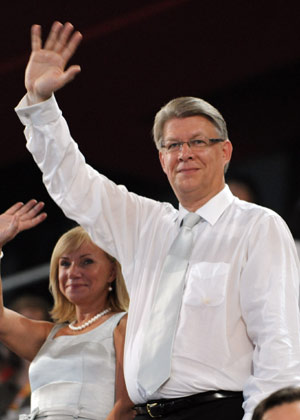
[[38, 114]]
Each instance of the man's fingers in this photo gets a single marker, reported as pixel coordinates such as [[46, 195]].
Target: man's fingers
[[71, 46], [63, 37], [36, 41], [69, 74], [59, 47], [53, 35]]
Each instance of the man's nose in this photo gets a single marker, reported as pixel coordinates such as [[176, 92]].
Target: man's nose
[[185, 151]]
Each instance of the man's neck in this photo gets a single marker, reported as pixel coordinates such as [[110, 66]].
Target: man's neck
[[192, 203]]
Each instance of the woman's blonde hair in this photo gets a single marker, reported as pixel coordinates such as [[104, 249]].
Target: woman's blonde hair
[[63, 310]]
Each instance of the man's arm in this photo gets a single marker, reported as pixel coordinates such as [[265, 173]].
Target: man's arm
[[112, 216], [269, 302], [46, 70]]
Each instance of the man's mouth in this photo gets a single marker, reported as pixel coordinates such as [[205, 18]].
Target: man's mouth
[[187, 169]]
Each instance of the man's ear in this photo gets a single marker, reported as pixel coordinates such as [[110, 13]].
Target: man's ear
[[227, 150]]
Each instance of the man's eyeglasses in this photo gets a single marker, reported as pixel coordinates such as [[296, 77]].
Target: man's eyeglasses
[[197, 144]]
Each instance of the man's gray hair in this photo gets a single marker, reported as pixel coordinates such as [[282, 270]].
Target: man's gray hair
[[187, 106]]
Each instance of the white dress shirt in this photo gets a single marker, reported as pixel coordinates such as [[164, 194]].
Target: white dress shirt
[[239, 323]]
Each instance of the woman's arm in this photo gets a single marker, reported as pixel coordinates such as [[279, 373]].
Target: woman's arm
[[20, 334], [123, 405]]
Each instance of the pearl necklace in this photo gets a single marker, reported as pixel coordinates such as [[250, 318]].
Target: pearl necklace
[[89, 322]]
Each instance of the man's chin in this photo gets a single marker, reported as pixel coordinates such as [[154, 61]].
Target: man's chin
[[185, 190]]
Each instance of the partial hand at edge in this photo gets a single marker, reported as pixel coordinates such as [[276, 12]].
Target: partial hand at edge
[[45, 72], [20, 217]]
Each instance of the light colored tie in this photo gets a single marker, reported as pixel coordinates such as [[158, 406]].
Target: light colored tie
[[155, 363]]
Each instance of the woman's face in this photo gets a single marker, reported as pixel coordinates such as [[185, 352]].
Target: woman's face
[[84, 275]]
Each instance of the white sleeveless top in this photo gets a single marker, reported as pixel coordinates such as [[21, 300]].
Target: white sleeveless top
[[75, 374]]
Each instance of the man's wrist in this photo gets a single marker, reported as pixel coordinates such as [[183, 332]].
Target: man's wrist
[[1, 254], [34, 99]]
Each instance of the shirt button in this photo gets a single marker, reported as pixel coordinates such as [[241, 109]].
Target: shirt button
[[206, 301]]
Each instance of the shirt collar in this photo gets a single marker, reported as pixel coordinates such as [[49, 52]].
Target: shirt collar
[[212, 210]]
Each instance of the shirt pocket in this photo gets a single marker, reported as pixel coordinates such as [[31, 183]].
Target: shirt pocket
[[206, 284]]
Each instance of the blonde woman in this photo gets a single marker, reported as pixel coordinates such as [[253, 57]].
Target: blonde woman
[[76, 362]]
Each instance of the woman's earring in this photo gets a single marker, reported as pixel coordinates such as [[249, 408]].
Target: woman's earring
[[109, 288]]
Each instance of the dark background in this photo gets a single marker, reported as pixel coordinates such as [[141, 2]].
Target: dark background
[[242, 56]]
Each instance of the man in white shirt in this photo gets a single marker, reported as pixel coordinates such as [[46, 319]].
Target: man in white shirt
[[238, 328]]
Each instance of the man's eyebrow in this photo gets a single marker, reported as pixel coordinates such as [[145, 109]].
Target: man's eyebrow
[[194, 135]]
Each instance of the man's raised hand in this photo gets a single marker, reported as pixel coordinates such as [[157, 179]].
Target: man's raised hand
[[45, 72]]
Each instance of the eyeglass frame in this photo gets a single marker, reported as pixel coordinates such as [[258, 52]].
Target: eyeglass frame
[[193, 145]]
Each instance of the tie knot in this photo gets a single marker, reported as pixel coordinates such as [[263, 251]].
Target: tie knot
[[190, 220]]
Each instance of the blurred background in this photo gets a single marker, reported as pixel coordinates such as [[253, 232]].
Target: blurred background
[[242, 56]]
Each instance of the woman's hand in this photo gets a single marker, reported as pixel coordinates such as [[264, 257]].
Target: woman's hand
[[20, 217]]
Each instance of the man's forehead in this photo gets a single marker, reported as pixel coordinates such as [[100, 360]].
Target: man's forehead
[[191, 126]]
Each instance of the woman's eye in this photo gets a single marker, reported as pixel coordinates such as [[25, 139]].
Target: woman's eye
[[64, 263], [87, 261]]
